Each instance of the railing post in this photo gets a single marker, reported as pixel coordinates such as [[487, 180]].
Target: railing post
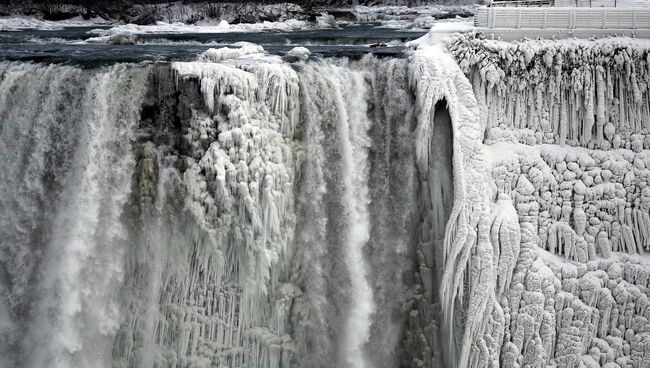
[[493, 16]]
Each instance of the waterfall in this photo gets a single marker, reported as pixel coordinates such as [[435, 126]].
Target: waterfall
[[256, 211], [67, 167], [351, 130], [240, 213]]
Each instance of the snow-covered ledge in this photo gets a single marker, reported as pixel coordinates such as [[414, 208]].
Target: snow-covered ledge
[[544, 260]]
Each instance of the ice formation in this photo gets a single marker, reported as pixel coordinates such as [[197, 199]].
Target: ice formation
[[205, 27], [477, 204], [18, 23], [565, 135]]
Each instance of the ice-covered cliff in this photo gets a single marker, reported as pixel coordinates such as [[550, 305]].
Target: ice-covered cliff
[[476, 204], [565, 129]]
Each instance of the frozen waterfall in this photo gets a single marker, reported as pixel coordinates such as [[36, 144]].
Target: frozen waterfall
[[247, 210]]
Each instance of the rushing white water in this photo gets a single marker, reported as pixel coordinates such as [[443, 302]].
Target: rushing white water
[[67, 166], [352, 128], [354, 254]]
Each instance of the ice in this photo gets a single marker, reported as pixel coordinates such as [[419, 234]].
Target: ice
[[326, 21], [300, 52], [205, 27], [24, 22], [575, 187], [224, 53]]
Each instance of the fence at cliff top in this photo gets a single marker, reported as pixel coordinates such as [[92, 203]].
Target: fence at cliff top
[[563, 18], [562, 3], [522, 3]]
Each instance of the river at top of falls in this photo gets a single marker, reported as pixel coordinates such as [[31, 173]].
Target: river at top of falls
[[80, 46]]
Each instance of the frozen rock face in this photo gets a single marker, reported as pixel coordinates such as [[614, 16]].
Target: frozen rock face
[[591, 94], [566, 136], [295, 187]]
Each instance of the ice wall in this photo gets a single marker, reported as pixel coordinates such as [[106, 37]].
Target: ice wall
[[565, 134], [463, 260], [273, 216]]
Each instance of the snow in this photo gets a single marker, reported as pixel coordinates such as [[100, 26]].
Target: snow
[[21, 23], [224, 53], [604, 3], [203, 27], [300, 52], [460, 26], [402, 17], [632, 3], [439, 31]]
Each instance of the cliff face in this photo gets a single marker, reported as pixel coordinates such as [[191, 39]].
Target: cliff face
[[566, 131]]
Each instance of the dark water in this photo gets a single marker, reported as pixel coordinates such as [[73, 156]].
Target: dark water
[[68, 45]]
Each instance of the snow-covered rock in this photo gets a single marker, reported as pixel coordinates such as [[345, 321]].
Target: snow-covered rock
[[301, 53]]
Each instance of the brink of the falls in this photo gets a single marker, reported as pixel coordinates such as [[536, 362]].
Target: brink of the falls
[[474, 203]]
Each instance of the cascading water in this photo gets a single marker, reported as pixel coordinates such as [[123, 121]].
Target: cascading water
[[352, 140], [238, 212], [67, 166]]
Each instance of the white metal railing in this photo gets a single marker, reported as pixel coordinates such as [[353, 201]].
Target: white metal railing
[[587, 3], [557, 3], [522, 3], [563, 18]]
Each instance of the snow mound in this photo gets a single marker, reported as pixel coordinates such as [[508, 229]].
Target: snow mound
[[225, 53], [22, 23], [300, 52], [441, 30], [326, 21]]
